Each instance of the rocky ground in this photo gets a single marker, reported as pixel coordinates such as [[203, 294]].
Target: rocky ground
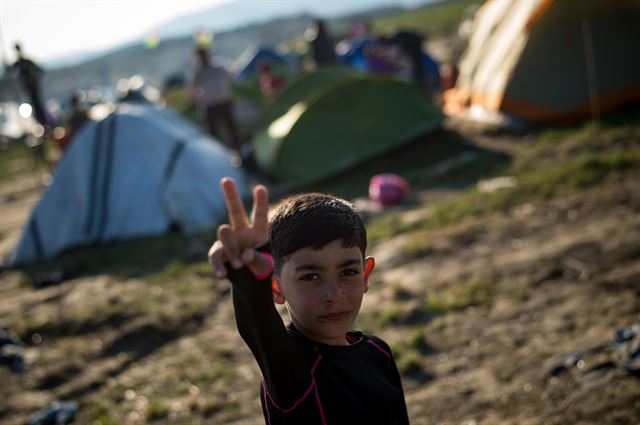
[[503, 318]]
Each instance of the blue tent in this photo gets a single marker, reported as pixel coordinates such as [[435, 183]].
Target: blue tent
[[250, 59], [356, 57]]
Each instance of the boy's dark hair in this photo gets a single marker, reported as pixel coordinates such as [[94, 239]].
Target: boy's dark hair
[[312, 220]]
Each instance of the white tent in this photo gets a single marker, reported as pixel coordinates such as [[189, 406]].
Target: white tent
[[140, 171]]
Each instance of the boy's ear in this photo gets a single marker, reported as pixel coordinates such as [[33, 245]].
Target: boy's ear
[[278, 296], [369, 265]]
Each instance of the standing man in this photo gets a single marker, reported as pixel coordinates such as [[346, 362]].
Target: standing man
[[210, 87], [30, 74], [322, 44]]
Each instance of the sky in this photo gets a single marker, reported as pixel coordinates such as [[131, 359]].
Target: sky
[[51, 29]]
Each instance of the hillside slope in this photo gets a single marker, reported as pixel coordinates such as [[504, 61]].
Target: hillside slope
[[501, 307]]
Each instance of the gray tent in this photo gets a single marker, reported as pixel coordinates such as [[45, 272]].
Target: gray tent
[[140, 171]]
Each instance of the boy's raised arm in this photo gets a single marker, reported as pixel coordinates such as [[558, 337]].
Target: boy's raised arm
[[237, 241], [284, 367]]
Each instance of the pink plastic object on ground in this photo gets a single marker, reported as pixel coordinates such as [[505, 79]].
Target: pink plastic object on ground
[[388, 189]]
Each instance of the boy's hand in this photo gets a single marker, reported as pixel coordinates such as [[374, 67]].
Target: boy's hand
[[237, 242]]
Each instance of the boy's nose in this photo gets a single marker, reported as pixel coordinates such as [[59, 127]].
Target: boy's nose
[[333, 292]]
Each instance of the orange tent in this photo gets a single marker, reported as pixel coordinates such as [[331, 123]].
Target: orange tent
[[550, 60]]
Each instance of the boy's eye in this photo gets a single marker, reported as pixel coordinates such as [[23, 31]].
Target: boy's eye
[[350, 272], [309, 277]]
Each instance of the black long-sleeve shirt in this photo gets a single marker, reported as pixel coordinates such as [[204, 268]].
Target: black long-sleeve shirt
[[306, 382]]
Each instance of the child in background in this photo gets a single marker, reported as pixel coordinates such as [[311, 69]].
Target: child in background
[[316, 370]]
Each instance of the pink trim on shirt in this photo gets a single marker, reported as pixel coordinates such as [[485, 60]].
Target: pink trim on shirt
[[320, 408], [385, 352], [301, 399]]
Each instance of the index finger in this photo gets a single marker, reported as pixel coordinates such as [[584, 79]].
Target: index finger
[[235, 208]]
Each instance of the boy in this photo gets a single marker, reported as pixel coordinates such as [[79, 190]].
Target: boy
[[315, 370]]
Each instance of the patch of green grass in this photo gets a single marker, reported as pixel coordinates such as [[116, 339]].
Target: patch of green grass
[[18, 160], [399, 313], [178, 269], [409, 362], [416, 246], [158, 407], [101, 413], [581, 172], [417, 339], [391, 315], [385, 225], [222, 371], [146, 256], [459, 296]]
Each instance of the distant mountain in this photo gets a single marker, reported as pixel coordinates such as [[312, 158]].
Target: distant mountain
[[174, 55], [241, 13]]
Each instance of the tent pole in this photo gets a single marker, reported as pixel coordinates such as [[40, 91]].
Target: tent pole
[[592, 80]]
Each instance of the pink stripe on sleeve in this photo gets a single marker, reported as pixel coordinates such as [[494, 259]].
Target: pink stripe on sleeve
[[385, 352], [320, 408], [301, 399]]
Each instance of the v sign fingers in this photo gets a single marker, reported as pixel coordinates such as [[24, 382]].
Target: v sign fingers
[[235, 208]]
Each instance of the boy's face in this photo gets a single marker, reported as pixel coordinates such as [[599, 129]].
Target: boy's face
[[323, 290]]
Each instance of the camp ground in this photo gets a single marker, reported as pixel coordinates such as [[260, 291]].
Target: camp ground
[[549, 61], [332, 120], [141, 171], [507, 269]]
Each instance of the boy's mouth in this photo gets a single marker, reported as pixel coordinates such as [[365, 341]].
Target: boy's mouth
[[339, 315]]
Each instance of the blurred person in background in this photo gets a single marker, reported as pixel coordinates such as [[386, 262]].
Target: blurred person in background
[[77, 118], [270, 84], [321, 43], [30, 74], [210, 87], [411, 45]]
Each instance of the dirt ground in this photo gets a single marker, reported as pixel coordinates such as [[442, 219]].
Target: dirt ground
[[547, 281]]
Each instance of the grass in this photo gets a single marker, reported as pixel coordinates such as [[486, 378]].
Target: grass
[[101, 413], [417, 339], [417, 246], [179, 269], [409, 362], [560, 161], [171, 303], [160, 257], [158, 407], [17, 160], [459, 296]]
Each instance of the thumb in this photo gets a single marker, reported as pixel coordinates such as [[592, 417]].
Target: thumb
[[256, 262]]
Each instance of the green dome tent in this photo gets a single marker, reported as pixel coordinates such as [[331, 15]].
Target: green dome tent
[[340, 124], [304, 85]]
